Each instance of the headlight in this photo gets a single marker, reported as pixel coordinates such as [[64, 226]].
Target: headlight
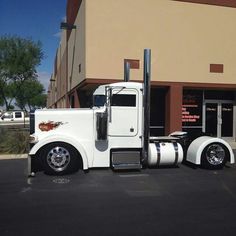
[[33, 139]]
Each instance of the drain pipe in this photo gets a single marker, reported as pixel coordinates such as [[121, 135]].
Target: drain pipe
[[146, 105], [126, 71]]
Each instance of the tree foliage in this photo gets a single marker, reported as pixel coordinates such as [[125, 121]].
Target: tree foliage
[[30, 95], [1, 101], [19, 58]]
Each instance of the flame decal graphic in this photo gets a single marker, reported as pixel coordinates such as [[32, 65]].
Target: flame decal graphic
[[50, 125]]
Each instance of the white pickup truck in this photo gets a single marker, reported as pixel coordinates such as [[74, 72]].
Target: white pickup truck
[[14, 117]]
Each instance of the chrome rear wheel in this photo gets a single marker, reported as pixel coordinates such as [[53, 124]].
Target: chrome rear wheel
[[214, 156]]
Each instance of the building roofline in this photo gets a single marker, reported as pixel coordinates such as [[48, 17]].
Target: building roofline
[[223, 3]]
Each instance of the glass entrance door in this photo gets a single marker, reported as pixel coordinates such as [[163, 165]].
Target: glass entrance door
[[219, 117], [227, 120], [211, 119]]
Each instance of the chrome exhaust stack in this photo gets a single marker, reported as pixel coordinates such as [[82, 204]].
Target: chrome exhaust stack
[[126, 71], [146, 105]]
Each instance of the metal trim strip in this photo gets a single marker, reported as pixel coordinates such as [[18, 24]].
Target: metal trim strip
[[158, 148], [175, 144]]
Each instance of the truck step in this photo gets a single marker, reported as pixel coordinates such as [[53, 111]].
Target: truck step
[[127, 166], [125, 159]]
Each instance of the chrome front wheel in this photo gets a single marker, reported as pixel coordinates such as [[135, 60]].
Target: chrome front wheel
[[60, 158]]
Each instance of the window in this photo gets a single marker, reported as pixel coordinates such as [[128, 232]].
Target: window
[[123, 100], [99, 100], [192, 108], [7, 116], [192, 112], [18, 115], [157, 110], [219, 95]]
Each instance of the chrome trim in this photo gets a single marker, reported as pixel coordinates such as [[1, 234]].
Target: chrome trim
[[126, 71], [29, 167], [158, 148], [146, 104], [175, 144]]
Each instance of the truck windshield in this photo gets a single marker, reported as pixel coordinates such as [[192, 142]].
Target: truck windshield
[[99, 100]]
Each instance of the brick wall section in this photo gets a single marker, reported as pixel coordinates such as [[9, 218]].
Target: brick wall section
[[173, 120]]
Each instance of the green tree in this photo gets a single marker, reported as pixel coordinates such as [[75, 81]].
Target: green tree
[[19, 58], [30, 95], [1, 101]]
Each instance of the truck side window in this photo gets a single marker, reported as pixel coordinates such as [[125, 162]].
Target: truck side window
[[18, 115], [123, 100], [99, 100]]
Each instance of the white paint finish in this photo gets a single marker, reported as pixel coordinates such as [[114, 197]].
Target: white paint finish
[[197, 146], [124, 119], [80, 146], [167, 154], [78, 128]]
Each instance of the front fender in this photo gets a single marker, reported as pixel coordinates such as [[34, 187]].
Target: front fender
[[196, 148], [65, 139]]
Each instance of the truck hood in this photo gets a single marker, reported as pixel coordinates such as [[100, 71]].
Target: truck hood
[[68, 122]]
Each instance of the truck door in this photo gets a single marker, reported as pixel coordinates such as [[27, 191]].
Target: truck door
[[123, 120]]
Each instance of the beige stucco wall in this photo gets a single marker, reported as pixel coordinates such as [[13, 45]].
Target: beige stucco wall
[[63, 66], [61, 75], [76, 50], [185, 39]]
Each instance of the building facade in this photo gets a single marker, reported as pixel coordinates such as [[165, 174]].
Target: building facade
[[193, 45]]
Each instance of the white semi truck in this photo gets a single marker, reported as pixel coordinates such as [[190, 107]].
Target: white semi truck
[[115, 133]]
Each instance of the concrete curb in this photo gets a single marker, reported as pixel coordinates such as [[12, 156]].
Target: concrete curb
[[13, 156]]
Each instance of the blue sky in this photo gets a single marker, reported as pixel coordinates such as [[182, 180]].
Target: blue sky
[[36, 19]]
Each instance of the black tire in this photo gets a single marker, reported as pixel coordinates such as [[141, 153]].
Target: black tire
[[214, 156], [60, 158]]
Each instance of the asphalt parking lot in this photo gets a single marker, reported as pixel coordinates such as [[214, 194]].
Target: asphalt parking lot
[[167, 201]]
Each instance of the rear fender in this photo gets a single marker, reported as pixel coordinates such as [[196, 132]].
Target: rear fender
[[196, 148], [65, 139]]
